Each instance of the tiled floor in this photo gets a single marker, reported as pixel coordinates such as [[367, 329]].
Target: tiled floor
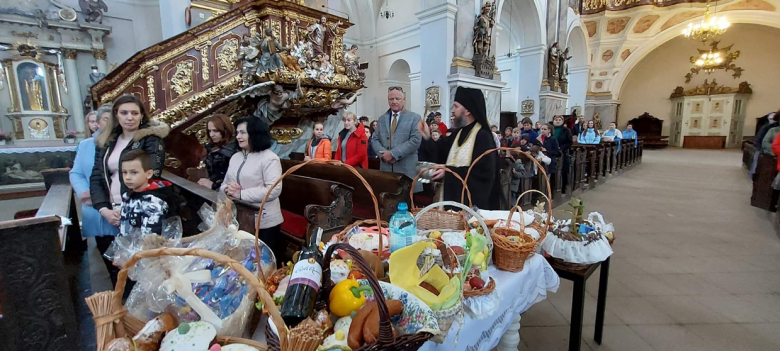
[[695, 266]]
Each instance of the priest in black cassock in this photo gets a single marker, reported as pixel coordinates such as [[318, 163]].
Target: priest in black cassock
[[470, 139]]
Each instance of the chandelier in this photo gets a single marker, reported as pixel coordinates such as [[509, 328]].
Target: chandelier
[[709, 27], [386, 12], [708, 61]]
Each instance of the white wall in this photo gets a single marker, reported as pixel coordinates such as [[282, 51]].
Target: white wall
[[649, 84]]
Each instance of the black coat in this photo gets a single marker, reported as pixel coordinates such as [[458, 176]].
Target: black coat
[[149, 138], [217, 162], [553, 152], [565, 139]]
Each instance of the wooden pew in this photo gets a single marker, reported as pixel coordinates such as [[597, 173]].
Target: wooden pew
[[763, 195], [306, 203], [39, 284], [390, 188], [580, 163], [748, 153]]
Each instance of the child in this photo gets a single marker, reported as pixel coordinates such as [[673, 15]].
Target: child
[[435, 134], [515, 140], [148, 202], [319, 144]]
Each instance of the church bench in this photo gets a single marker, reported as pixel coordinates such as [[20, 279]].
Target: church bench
[[580, 161], [389, 188], [748, 153], [763, 195], [306, 203]]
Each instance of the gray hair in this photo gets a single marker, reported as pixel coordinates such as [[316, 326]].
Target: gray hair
[[103, 109]]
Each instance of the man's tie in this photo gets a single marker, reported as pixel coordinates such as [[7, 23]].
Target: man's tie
[[393, 125]]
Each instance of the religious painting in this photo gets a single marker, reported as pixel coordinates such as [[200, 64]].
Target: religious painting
[[717, 106], [32, 87], [697, 108], [38, 129], [714, 122], [695, 122]]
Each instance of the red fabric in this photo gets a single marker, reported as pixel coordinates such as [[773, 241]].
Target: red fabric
[[357, 149], [442, 128], [775, 150], [364, 212], [157, 184], [294, 224]]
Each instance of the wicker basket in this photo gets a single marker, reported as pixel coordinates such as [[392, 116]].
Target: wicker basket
[[438, 218], [508, 255], [116, 322], [385, 340]]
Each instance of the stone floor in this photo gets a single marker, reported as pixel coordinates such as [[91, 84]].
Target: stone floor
[[695, 266]]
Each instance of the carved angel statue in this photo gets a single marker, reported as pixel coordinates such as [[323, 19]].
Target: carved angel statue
[[352, 62], [552, 63], [273, 99], [346, 100], [270, 59], [320, 34], [563, 65], [483, 25], [249, 57], [93, 10]]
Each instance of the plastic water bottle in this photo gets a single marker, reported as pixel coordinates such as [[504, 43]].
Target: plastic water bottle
[[403, 228]]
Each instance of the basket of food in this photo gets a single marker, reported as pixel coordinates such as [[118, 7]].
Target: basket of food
[[437, 217], [578, 243], [117, 330], [368, 314]]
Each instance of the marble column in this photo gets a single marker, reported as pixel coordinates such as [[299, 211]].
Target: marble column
[[437, 47], [464, 34], [76, 107], [100, 60], [578, 86], [563, 8], [531, 62], [416, 96]]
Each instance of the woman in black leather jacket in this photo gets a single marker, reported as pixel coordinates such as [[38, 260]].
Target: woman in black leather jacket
[[129, 128], [220, 150]]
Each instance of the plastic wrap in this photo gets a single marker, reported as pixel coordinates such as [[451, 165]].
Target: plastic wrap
[[128, 244], [481, 307]]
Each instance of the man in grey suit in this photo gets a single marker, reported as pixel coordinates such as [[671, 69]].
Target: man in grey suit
[[397, 139]]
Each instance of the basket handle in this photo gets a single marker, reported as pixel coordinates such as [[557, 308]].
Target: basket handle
[[476, 215], [446, 169], [538, 165], [385, 328], [299, 166], [517, 205], [262, 294]]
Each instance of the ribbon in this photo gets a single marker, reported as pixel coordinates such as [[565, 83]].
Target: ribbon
[[182, 284]]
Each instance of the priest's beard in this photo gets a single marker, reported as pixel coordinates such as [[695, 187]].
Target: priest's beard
[[459, 121]]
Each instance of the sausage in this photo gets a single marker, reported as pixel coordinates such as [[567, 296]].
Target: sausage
[[355, 336], [429, 287], [371, 327]]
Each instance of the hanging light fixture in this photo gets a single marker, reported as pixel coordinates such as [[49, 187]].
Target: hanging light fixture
[[386, 12], [708, 61], [709, 27]]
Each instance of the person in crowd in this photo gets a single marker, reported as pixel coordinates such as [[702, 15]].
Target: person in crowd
[[397, 139], [371, 153], [773, 122], [129, 128], [522, 143], [517, 134], [522, 167], [251, 174], [352, 146], [614, 134], [769, 139], [318, 146], [537, 127], [148, 202], [364, 121], [471, 139], [92, 223], [550, 147], [373, 127], [579, 126], [501, 141], [441, 125], [536, 150], [435, 135], [528, 129], [565, 140], [494, 129], [91, 121], [630, 134], [219, 150], [590, 135], [508, 135], [776, 151]]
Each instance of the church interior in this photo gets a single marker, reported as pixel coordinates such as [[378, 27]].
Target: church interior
[[655, 116]]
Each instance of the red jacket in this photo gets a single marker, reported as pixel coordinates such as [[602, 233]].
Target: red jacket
[[442, 128], [776, 151], [357, 148]]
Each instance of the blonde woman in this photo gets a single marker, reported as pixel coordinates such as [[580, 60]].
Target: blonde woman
[[352, 146]]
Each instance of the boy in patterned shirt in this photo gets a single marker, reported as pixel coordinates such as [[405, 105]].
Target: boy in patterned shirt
[[149, 201]]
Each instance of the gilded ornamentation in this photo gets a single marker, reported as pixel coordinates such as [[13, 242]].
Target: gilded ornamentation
[[58, 122], [706, 61], [285, 135], [204, 61], [433, 97], [181, 82], [171, 161], [228, 55], [177, 114], [108, 97], [70, 54], [18, 129], [711, 88], [99, 54], [276, 26], [150, 94], [16, 106]]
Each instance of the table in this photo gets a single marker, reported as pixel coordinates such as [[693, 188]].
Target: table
[[579, 278], [519, 291]]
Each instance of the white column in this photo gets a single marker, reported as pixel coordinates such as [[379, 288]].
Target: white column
[[531, 68], [76, 107], [416, 97], [437, 47], [578, 86], [100, 60]]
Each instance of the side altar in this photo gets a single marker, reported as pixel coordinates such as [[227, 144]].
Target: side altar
[[277, 60]]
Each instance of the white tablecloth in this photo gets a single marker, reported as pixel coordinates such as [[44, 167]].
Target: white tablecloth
[[519, 292]]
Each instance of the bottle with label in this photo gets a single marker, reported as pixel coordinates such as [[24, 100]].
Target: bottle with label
[[403, 228], [305, 282]]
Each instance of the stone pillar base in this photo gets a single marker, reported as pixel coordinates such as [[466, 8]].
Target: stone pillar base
[[551, 104], [605, 106]]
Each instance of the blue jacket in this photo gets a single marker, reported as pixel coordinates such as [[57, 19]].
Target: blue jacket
[[589, 136], [92, 223]]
